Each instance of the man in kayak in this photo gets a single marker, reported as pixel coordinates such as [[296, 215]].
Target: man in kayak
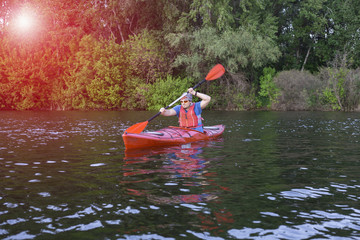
[[189, 113]]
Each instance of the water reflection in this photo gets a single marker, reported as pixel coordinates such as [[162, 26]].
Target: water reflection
[[187, 181]]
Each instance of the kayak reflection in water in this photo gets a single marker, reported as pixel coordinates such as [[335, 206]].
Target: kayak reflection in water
[[189, 113], [180, 163], [182, 179], [186, 163]]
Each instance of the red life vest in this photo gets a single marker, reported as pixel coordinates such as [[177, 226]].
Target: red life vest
[[189, 118]]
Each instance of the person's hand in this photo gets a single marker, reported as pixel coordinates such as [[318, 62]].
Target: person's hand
[[191, 91], [162, 110]]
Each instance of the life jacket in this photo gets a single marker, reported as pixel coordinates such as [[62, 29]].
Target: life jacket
[[189, 118]]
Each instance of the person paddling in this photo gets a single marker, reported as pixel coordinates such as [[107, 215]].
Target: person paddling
[[189, 113]]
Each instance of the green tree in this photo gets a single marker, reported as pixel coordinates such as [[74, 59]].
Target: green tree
[[268, 92], [213, 31], [121, 19], [28, 69], [166, 90], [96, 77], [146, 57], [342, 32], [302, 25], [312, 32], [341, 88]]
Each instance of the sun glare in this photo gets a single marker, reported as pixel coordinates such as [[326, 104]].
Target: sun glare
[[25, 21]]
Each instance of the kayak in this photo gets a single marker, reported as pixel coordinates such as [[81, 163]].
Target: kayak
[[170, 136]]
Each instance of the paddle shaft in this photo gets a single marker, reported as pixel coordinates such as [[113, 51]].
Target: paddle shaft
[[197, 85]]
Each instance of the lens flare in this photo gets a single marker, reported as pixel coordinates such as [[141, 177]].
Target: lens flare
[[25, 21]]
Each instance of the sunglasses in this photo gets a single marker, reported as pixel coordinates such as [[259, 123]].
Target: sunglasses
[[184, 101]]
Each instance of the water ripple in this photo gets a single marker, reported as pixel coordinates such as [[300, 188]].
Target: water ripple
[[302, 194], [302, 231], [22, 235]]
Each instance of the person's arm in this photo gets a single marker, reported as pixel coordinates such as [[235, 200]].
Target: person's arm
[[167, 112], [205, 99]]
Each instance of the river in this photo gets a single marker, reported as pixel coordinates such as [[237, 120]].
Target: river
[[273, 175]]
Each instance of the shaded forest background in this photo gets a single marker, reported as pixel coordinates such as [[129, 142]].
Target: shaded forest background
[[142, 54]]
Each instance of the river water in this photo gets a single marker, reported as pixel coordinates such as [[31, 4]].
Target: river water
[[273, 175]]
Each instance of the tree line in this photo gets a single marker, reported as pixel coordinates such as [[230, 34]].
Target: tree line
[[110, 54]]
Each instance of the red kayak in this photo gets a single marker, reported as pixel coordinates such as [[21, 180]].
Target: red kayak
[[170, 136]]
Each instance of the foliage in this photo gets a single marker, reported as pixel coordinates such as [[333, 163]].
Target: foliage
[[311, 32], [245, 101], [146, 57], [342, 31], [268, 93], [135, 94], [302, 27], [234, 49], [342, 88], [298, 90], [113, 54], [31, 72], [213, 32], [328, 97], [96, 79], [232, 92], [167, 90]]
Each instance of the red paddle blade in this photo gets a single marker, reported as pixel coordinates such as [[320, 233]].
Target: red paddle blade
[[137, 128], [215, 72]]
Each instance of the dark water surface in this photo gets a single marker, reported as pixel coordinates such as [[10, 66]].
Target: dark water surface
[[273, 175]]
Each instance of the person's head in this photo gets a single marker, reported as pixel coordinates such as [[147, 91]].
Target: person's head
[[186, 100]]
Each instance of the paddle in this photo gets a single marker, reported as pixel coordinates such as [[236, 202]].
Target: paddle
[[213, 74]]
